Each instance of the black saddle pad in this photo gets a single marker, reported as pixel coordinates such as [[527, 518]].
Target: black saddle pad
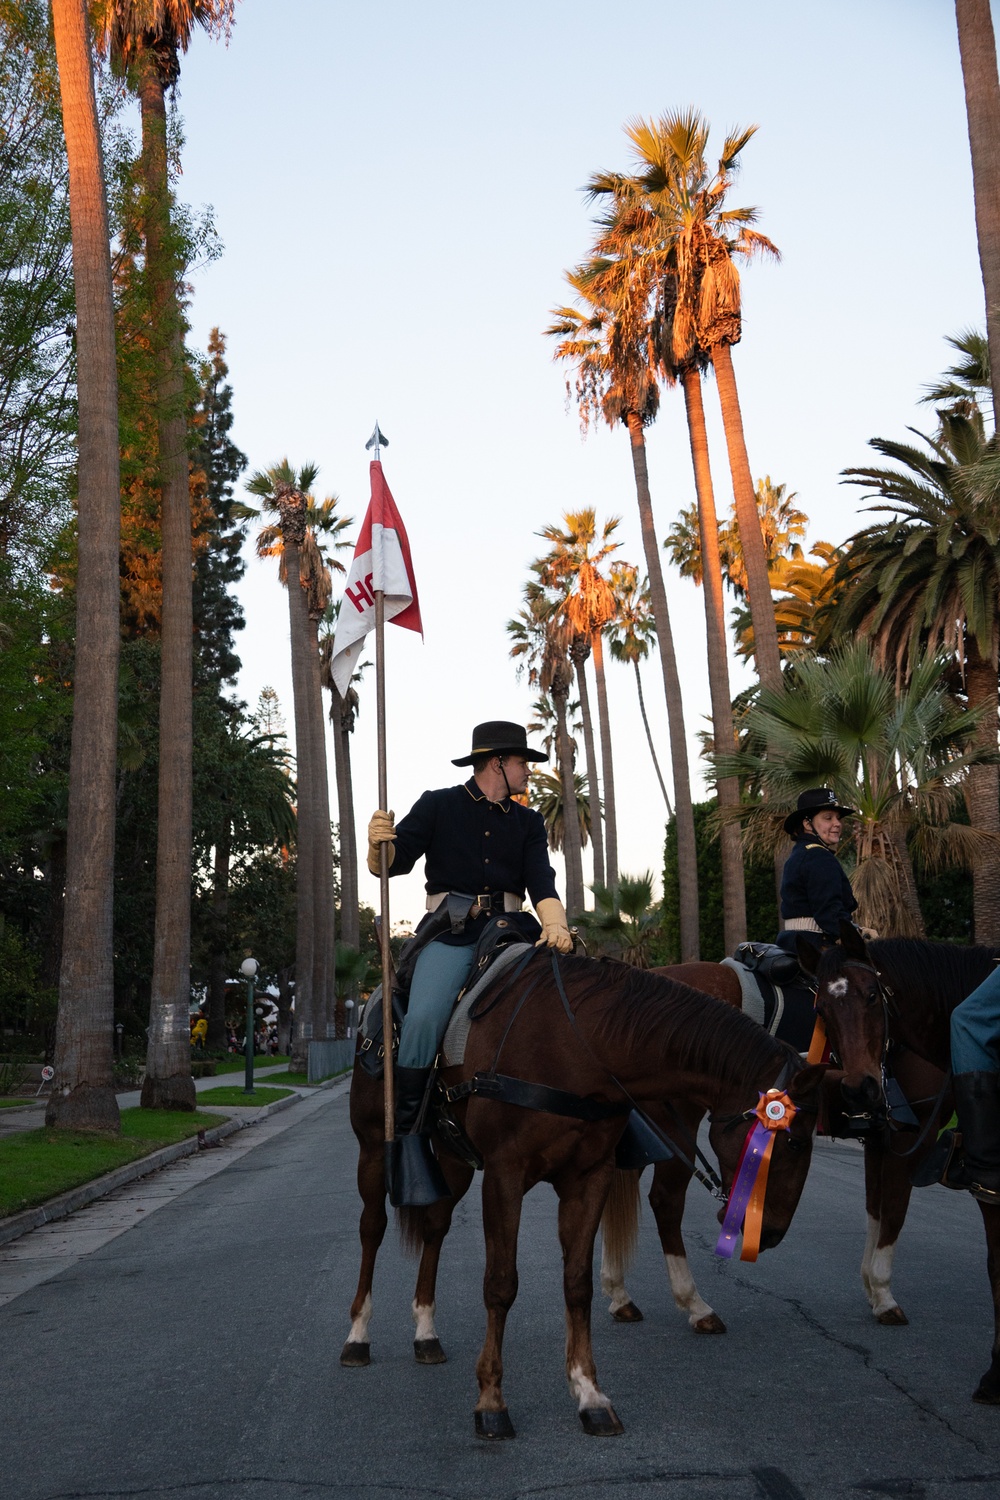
[[798, 1016]]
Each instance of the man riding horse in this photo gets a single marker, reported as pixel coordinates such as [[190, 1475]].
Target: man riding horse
[[477, 842]]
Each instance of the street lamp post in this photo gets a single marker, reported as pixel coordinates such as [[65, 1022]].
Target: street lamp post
[[248, 968]]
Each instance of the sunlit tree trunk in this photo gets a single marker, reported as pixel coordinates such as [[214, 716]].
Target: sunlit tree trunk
[[649, 738], [687, 857], [607, 762], [982, 102], [305, 838], [983, 798], [734, 906], [571, 822], [83, 1094], [168, 1083], [579, 651], [324, 998]]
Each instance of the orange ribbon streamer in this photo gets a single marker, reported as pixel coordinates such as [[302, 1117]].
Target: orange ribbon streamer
[[818, 1044]]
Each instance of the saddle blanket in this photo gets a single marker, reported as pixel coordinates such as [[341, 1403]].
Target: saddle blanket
[[786, 1011], [457, 1034]]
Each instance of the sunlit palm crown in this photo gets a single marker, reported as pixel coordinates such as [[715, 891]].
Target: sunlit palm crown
[[572, 569], [668, 235], [125, 28]]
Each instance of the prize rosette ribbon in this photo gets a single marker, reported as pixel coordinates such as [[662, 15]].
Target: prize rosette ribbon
[[775, 1111]]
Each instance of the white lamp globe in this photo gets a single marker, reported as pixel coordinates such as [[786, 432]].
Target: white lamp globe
[[248, 967]]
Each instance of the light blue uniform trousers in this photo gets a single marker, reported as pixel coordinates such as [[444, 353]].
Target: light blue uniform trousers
[[975, 1029], [440, 972]]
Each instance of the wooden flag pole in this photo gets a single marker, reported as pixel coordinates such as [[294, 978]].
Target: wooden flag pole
[[383, 802]]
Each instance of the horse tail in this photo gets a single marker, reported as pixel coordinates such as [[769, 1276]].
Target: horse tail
[[410, 1226], [620, 1221]]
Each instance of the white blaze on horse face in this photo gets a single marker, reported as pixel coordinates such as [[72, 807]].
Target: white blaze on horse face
[[423, 1317], [585, 1392], [685, 1292], [837, 988], [359, 1328]]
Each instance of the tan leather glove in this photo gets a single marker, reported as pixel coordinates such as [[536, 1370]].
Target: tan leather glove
[[381, 830], [868, 933], [555, 927]]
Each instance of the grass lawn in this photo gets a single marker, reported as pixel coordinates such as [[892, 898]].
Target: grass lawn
[[38, 1164], [301, 1079], [233, 1095], [14, 1103], [235, 1063]]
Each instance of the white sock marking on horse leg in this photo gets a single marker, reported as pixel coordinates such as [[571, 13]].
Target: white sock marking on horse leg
[[612, 1281], [359, 1328], [585, 1392], [880, 1274], [871, 1240], [686, 1294], [423, 1317]]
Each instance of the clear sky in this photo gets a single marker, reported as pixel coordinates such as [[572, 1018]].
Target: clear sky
[[398, 191]]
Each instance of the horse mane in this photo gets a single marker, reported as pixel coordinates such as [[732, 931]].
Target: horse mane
[[647, 1011], [945, 972]]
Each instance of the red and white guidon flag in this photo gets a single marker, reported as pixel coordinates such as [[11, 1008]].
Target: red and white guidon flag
[[381, 561]]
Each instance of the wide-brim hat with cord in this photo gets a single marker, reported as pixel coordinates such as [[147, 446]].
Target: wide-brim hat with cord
[[498, 737], [817, 799]]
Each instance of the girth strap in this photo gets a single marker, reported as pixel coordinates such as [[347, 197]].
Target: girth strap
[[538, 1096]]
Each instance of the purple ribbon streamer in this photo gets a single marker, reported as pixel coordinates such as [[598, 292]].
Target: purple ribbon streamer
[[739, 1198]]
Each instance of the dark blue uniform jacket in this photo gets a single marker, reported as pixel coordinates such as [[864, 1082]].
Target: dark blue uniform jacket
[[814, 884], [475, 846]]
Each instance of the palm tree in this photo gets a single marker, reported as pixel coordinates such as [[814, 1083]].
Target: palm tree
[[545, 723], [929, 578], [541, 644], [669, 225], [629, 638], [83, 1096], [977, 46], [144, 39], [287, 494], [965, 386], [624, 920], [545, 793], [897, 754], [614, 353], [589, 605], [805, 593]]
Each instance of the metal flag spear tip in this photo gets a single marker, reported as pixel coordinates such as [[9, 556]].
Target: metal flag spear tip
[[380, 586]]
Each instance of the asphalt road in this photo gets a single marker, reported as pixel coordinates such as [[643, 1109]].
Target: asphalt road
[[194, 1356]]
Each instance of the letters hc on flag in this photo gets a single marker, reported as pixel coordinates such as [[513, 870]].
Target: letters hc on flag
[[381, 561]]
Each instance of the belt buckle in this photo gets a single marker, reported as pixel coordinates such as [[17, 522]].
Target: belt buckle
[[485, 902]]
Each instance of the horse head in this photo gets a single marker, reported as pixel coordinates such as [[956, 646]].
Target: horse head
[[790, 1153], [852, 1003]]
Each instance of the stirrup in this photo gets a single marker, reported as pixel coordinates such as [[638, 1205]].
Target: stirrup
[[412, 1174]]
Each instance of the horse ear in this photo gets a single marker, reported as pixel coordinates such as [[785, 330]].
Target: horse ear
[[808, 953], [852, 942], [806, 1081]]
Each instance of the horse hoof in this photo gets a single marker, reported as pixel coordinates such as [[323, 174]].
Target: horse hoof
[[987, 1393], [892, 1317], [494, 1425], [601, 1421], [710, 1323], [627, 1313], [429, 1352], [355, 1356]]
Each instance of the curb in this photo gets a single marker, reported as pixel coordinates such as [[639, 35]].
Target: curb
[[66, 1203]]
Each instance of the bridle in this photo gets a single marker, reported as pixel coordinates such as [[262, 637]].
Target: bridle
[[882, 994]]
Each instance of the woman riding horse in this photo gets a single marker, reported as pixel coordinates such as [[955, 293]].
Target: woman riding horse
[[816, 894]]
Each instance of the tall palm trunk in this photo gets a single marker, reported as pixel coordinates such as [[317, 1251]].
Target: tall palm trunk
[[607, 761], [983, 797], [168, 1083], [982, 103], [324, 998], [571, 822], [340, 715], [83, 1092], [765, 631], [305, 839], [219, 965], [687, 855], [649, 737], [579, 651], [734, 902]]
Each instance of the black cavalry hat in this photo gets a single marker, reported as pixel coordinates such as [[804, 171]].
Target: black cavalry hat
[[498, 737], [817, 799]]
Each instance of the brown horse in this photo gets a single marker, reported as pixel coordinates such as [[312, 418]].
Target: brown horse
[[857, 1036], [921, 984], [615, 1037]]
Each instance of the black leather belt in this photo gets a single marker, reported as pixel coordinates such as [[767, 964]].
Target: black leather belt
[[491, 901]]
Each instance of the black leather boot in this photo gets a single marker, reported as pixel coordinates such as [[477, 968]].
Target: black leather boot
[[977, 1103], [413, 1176]]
